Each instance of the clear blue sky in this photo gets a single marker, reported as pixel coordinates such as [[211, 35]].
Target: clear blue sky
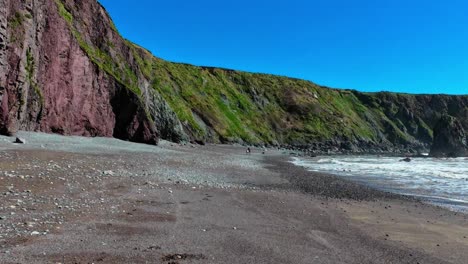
[[410, 46]]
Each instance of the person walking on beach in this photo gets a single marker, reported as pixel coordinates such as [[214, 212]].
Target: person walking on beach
[[248, 151]]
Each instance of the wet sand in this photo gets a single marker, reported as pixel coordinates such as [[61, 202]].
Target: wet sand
[[205, 204]]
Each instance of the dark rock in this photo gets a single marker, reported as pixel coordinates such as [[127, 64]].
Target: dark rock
[[200, 142], [20, 141], [449, 138]]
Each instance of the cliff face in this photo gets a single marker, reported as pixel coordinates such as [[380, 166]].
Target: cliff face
[[60, 73], [449, 138], [65, 69]]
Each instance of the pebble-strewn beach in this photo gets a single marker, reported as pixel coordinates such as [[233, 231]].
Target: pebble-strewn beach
[[82, 200]]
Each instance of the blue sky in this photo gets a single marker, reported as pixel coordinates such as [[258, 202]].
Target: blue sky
[[409, 46]]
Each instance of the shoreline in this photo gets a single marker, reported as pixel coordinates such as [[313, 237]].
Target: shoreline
[[327, 185], [400, 189], [210, 204]]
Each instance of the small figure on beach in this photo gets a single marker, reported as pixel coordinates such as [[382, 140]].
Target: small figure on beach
[[248, 150]]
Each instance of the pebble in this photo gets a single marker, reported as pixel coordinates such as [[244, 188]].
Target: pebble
[[35, 233], [108, 172], [29, 224]]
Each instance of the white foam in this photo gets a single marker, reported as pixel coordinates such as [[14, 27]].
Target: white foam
[[446, 179]]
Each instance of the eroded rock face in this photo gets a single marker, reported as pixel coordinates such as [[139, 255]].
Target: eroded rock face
[[49, 82], [449, 138], [65, 69]]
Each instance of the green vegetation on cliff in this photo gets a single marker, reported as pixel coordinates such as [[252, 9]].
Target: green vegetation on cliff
[[220, 105], [229, 106], [30, 64]]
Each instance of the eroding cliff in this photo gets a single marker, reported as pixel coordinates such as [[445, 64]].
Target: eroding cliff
[[64, 68]]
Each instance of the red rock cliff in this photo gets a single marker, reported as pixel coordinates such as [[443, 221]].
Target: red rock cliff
[[65, 69]]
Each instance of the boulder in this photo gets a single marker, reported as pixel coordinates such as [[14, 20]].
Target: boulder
[[449, 138], [20, 141]]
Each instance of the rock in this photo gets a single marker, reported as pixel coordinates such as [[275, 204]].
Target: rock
[[200, 142], [108, 172], [449, 138], [20, 141], [35, 233], [29, 224]]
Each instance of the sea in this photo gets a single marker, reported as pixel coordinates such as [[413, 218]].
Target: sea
[[443, 182]]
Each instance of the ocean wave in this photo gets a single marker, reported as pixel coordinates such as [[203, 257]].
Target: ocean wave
[[425, 177]]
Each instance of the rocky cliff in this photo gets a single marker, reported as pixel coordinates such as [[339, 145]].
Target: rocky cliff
[[65, 69], [231, 106], [450, 139]]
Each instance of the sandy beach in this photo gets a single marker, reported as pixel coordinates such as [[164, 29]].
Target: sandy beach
[[77, 200]]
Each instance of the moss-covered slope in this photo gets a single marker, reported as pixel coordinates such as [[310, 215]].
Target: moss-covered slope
[[222, 105]]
